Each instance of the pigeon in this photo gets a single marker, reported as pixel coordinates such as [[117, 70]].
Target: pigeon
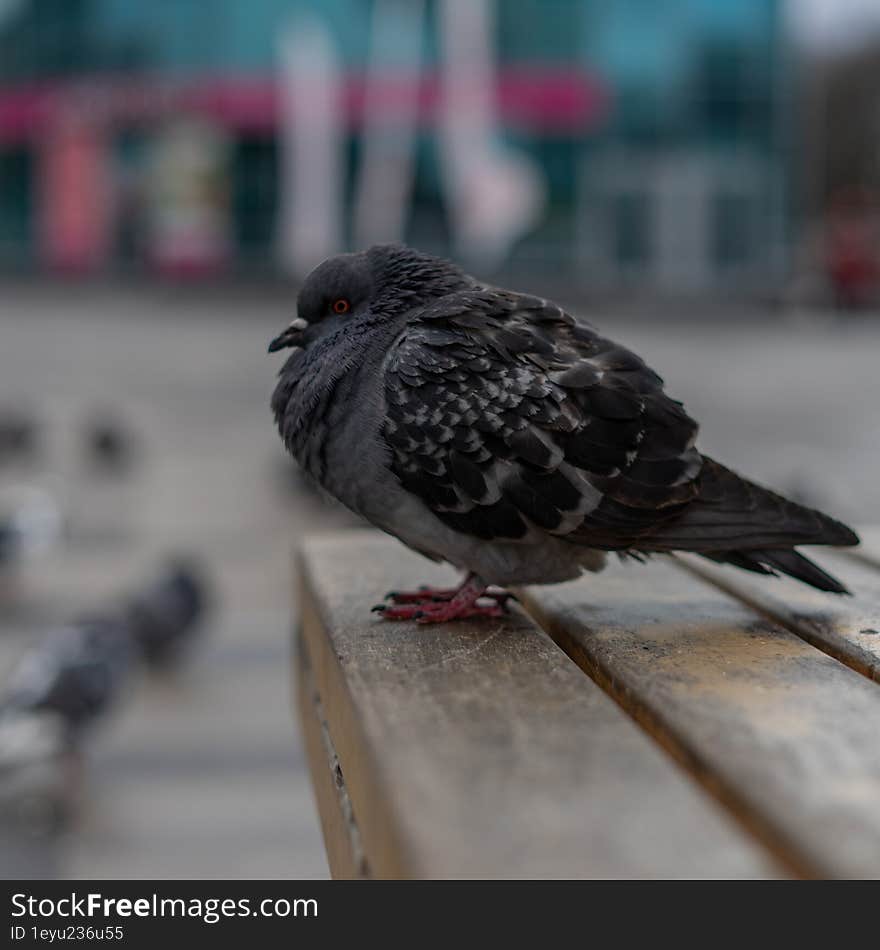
[[492, 430]]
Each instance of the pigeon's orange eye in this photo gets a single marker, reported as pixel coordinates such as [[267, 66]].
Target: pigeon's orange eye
[[341, 305]]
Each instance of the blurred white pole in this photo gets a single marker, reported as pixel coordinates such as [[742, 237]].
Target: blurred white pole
[[311, 126], [390, 122], [495, 194]]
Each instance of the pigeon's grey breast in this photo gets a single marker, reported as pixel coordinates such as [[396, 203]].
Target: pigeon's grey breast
[[330, 408]]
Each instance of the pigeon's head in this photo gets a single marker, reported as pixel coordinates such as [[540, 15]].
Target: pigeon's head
[[337, 290], [376, 284]]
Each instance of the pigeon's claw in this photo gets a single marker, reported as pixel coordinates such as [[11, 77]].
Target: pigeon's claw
[[469, 601]]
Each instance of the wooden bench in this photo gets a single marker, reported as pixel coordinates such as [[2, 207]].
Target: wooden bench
[[728, 725]]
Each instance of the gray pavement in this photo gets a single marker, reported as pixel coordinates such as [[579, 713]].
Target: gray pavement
[[201, 772]]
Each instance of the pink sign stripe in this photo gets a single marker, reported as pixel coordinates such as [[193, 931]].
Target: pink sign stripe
[[531, 98]]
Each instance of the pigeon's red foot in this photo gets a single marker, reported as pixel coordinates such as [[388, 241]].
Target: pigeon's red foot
[[438, 605], [423, 595]]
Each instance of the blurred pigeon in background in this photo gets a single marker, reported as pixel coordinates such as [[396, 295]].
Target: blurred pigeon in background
[[492, 430]]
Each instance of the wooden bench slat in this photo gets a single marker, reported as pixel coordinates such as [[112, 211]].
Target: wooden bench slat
[[341, 835], [847, 628], [481, 750], [781, 732]]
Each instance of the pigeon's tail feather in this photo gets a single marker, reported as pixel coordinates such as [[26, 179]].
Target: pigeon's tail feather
[[732, 514], [734, 521], [785, 561]]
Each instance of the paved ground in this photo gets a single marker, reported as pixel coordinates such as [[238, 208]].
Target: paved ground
[[201, 772]]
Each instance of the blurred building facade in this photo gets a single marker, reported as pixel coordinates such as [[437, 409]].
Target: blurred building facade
[[147, 135]]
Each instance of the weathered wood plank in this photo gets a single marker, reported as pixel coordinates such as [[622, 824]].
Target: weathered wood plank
[[847, 628], [341, 835], [482, 751], [782, 733]]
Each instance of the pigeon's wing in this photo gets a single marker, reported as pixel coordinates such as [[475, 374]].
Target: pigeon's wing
[[505, 415]]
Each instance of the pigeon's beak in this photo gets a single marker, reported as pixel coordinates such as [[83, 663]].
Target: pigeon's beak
[[290, 336]]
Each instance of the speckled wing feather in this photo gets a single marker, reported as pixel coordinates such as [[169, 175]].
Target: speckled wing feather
[[505, 415]]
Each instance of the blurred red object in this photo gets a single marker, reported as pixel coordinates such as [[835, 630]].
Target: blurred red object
[[75, 196], [852, 249]]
